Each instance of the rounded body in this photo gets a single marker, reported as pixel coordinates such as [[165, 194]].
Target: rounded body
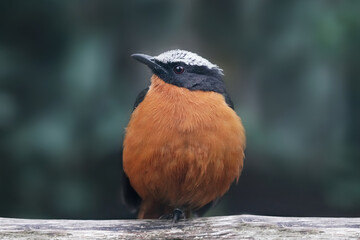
[[182, 148]]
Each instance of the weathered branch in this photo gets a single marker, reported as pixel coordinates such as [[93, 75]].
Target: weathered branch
[[227, 227]]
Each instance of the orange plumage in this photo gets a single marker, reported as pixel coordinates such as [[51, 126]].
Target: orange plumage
[[182, 148]]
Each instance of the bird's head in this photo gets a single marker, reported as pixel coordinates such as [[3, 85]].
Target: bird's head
[[184, 69]]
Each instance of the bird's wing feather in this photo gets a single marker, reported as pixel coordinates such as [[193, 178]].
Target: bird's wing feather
[[228, 100], [140, 97], [129, 196]]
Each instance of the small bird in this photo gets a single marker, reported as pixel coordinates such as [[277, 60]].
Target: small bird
[[184, 144]]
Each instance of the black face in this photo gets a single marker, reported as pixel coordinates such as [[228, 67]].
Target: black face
[[191, 77], [187, 76]]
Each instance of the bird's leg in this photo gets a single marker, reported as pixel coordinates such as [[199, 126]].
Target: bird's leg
[[176, 215]]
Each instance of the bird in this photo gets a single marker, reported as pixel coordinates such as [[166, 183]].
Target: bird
[[184, 143]]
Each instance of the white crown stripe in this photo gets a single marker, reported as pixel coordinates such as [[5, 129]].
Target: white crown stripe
[[186, 57]]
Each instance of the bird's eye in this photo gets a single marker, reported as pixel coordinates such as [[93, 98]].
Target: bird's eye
[[179, 69]]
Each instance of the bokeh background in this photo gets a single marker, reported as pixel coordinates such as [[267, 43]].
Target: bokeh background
[[67, 87]]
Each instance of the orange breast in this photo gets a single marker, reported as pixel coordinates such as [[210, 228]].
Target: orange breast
[[183, 148]]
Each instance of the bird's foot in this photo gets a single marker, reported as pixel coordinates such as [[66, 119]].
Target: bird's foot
[[176, 215]]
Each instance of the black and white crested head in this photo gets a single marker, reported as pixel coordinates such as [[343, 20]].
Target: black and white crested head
[[188, 58], [187, 70]]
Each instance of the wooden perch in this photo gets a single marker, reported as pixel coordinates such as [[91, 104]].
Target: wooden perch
[[226, 227]]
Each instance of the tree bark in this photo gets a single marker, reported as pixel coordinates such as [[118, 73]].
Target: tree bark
[[224, 227]]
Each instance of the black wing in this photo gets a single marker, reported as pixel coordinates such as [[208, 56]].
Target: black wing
[[228, 99], [140, 97], [129, 196]]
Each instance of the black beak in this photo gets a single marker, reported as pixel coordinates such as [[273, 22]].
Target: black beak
[[150, 62]]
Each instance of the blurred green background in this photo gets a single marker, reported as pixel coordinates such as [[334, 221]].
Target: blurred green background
[[67, 87]]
